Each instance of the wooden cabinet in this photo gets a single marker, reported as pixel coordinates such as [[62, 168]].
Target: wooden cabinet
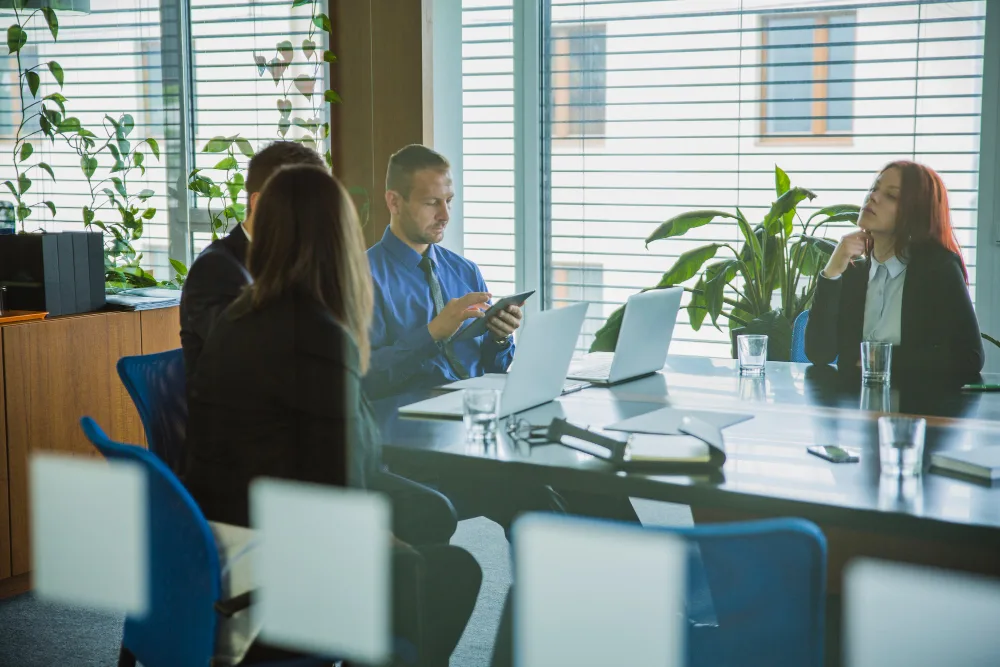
[[55, 372]]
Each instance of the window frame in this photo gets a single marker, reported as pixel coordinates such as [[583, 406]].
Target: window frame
[[818, 132]]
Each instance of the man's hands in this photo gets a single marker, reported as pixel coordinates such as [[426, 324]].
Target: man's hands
[[504, 323], [851, 247], [457, 311]]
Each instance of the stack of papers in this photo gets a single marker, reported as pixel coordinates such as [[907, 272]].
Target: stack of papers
[[144, 298]]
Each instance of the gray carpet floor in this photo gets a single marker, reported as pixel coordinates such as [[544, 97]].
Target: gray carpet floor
[[39, 634]]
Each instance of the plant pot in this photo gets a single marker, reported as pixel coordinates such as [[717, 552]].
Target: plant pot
[[778, 331]]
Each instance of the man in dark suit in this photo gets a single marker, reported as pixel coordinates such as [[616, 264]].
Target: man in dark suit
[[219, 274], [421, 515]]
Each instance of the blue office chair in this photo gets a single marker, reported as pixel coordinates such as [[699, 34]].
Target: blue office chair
[[799, 338], [185, 581], [157, 387], [767, 586]]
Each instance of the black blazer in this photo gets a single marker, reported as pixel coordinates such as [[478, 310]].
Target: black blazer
[[214, 281], [277, 393], [939, 329]]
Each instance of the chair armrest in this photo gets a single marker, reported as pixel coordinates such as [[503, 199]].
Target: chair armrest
[[230, 607]]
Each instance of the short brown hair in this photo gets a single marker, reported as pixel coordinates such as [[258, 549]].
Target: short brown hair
[[277, 155], [407, 161], [307, 236]]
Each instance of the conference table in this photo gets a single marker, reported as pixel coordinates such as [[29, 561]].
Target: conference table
[[934, 519]]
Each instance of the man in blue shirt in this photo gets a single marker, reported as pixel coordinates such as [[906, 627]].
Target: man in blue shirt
[[425, 293]]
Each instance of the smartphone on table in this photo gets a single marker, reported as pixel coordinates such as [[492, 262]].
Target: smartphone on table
[[836, 454]]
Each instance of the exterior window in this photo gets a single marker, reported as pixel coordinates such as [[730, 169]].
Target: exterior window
[[578, 80], [808, 72]]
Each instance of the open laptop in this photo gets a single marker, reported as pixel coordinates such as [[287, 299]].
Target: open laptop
[[643, 340], [544, 351]]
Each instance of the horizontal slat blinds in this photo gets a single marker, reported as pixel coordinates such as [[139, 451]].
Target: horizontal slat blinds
[[662, 106], [110, 57], [488, 139], [232, 95]]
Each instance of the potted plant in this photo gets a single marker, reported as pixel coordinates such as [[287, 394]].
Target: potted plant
[[764, 283]]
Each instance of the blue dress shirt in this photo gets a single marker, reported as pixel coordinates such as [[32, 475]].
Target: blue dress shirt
[[404, 356]]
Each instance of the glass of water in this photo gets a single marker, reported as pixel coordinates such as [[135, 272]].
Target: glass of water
[[876, 362], [901, 445], [752, 351], [481, 413]]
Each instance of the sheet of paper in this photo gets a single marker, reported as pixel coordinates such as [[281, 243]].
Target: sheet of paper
[[667, 421]]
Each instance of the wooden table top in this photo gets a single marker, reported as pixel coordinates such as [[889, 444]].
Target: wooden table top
[[768, 470]]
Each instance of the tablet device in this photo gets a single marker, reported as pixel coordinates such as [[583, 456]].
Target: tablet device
[[478, 326]]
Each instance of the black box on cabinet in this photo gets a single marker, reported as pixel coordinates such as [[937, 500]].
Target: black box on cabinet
[[61, 273]]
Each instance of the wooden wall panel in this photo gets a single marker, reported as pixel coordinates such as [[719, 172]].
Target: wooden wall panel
[[160, 329], [4, 482], [379, 75], [57, 371]]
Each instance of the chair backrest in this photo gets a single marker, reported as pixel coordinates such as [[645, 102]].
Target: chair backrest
[[156, 383], [799, 338], [180, 629], [767, 586]]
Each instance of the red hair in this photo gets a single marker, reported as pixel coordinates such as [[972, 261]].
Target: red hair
[[923, 214]]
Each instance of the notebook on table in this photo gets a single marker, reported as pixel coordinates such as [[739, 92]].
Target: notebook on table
[[981, 462]]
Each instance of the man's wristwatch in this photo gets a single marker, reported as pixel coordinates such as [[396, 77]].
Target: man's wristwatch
[[503, 342]]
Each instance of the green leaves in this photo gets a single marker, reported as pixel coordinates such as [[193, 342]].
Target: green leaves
[[148, 213], [778, 330], [781, 181], [33, 82], [57, 73], [16, 38], [119, 186], [228, 162], [332, 97], [785, 203], [810, 254], [329, 57], [299, 3], [145, 194], [59, 100], [837, 213], [261, 64], [10, 186], [235, 186], [218, 144], [23, 183], [153, 146], [245, 146], [306, 85], [26, 151], [606, 338], [88, 215], [88, 165], [680, 224], [52, 20], [179, 267], [688, 265], [127, 125], [46, 168], [322, 21], [69, 124], [52, 207]]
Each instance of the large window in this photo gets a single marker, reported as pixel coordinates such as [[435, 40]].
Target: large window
[[808, 77], [578, 72], [701, 100]]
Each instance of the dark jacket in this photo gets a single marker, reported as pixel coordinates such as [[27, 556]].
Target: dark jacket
[[939, 329], [277, 393], [214, 281]]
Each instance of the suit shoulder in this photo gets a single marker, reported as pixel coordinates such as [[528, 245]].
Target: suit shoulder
[[456, 260], [319, 334]]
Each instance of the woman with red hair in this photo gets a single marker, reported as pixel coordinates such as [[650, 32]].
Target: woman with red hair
[[910, 287]]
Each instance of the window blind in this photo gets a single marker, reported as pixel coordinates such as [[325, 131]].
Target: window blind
[[255, 74], [488, 139], [110, 62], [698, 101]]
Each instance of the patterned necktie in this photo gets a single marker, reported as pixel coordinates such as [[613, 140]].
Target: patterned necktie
[[432, 280]]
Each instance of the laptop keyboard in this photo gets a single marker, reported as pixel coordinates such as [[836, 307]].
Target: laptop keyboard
[[591, 368]]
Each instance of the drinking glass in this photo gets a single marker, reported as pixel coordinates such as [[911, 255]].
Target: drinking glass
[[481, 414], [752, 352], [876, 398], [901, 494], [876, 362], [901, 445], [753, 388]]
